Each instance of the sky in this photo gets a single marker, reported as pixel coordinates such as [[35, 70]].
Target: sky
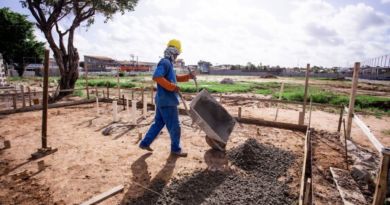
[[279, 32]]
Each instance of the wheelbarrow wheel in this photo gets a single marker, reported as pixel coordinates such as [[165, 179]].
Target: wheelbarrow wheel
[[215, 144]]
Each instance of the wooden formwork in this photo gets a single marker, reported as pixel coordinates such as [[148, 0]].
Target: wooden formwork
[[306, 187]]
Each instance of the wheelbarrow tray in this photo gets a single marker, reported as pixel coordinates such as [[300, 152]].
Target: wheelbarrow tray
[[211, 117]]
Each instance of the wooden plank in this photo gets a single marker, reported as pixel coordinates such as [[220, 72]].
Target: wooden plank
[[378, 146], [306, 162], [104, 195], [348, 188], [381, 179], [352, 98], [274, 101], [281, 125], [39, 107]]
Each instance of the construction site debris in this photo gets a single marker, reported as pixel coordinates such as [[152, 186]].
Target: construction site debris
[[227, 81]]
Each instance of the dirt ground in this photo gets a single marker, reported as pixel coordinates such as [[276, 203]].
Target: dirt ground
[[88, 163]]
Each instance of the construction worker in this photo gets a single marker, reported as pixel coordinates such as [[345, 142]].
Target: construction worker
[[167, 100]]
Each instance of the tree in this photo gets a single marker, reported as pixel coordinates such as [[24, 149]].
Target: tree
[[51, 17], [17, 41]]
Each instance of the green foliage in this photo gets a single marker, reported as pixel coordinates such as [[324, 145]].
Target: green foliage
[[17, 41], [105, 82], [216, 87]]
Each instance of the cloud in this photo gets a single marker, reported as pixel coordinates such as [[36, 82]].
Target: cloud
[[385, 1], [232, 31]]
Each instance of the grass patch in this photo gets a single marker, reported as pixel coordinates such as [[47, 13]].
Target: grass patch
[[216, 87]]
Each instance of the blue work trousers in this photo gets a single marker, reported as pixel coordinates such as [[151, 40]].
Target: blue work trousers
[[169, 116]]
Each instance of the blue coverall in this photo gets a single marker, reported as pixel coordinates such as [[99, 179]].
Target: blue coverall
[[166, 108]]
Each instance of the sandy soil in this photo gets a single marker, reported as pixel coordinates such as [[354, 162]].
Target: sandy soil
[[88, 163]]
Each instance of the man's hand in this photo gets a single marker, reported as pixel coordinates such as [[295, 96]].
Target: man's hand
[[177, 89], [192, 75]]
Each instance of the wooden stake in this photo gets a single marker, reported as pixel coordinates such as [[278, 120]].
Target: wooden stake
[[352, 98], [132, 94], [302, 119], [123, 101], [220, 98], [29, 96], [345, 146], [45, 99], [280, 98], [127, 107], [381, 179], [23, 97], [97, 106], [118, 85], [114, 111], [108, 91], [340, 118], [104, 95], [134, 111], [86, 79], [142, 94], [239, 112]]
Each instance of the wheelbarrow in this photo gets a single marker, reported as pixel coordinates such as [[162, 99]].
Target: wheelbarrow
[[212, 118]]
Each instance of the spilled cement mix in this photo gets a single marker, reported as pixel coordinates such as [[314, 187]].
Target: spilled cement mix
[[255, 182]]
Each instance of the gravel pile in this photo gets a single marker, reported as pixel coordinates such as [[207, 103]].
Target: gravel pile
[[256, 184]]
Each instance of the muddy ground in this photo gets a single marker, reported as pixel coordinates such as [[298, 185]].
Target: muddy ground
[[88, 163]]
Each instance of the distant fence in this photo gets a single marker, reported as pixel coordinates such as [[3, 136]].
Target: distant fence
[[286, 74]]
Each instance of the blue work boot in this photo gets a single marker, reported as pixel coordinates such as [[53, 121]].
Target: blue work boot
[[180, 154], [146, 148]]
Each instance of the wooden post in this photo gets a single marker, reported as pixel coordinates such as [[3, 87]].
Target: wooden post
[[220, 98], [142, 93], [29, 95], [302, 119], [97, 106], [239, 112], [340, 118], [351, 109], [104, 95], [86, 79], [23, 97], [132, 94], [108, 91], [280, 97], [123, 101], [381, 179], [119, 87], [96, 92], [127, 107], [45, 99], [115, 111], [134, 111]]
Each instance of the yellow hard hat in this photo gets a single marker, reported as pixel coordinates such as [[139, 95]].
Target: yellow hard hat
[[175, 43]]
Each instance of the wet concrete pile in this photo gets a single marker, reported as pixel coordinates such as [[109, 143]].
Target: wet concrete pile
[[256, 182]]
